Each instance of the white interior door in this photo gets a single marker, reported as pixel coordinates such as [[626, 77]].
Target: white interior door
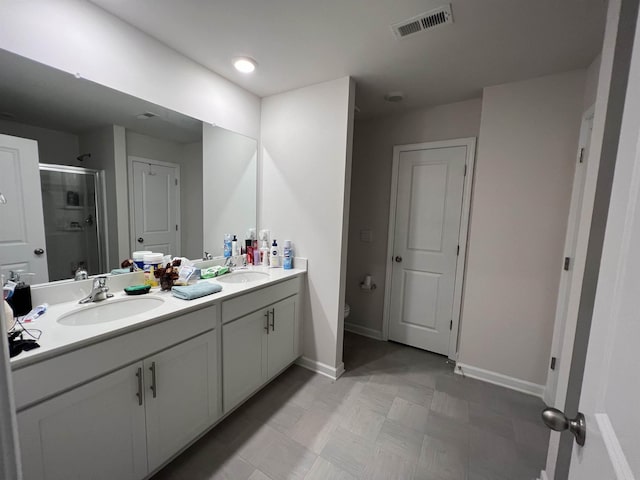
[[156, 206], [22, 241], [569, 274], [430, 185], [610, 390]]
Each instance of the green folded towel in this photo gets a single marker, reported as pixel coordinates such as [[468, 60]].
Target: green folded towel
[[197, 290]]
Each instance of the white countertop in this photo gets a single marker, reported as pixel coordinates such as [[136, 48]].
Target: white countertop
[[57, 339]]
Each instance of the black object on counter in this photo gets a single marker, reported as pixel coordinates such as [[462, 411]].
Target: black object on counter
[[20, 301]]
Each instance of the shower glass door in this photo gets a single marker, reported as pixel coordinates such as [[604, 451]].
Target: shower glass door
[[73, 208]]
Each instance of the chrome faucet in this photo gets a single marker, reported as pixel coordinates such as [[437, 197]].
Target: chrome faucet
[[80, 274], [207, 256], [99, 291], [229, 262]]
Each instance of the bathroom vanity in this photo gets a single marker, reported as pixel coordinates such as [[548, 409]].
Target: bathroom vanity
[[118, 399]]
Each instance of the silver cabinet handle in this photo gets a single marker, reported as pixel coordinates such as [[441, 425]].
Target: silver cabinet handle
[[139, 392], [267, 326], [558, 421], [273, 319], [154, 387]]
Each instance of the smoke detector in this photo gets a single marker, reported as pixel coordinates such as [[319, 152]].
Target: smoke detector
[[146, 116], [423, 22], [394, 97]]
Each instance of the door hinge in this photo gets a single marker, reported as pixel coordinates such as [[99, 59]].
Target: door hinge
[[176, 181], [176, 228], [451, 325], [465, 170], [458, 252], [581, 155], [553, 363], [567, 261]]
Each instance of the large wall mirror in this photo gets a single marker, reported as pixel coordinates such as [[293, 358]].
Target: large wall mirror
[[89, 174]]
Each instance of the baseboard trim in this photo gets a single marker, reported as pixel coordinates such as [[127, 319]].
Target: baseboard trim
[[364, 331], [321, 368], [499, 379]]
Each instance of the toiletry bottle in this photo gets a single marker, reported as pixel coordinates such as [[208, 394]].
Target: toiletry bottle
[[274, 257], [249, 250], [227, 245], [287, 255], [234, 246], [256, 256], [20, 301], [264, 254]]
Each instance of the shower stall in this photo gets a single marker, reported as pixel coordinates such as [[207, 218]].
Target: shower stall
[[73, 205]]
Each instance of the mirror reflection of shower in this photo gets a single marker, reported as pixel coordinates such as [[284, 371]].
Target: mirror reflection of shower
[[73, 207]]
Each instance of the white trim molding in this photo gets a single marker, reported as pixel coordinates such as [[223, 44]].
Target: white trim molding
[[501, 380], [321, 368], [470, 144], [543, 475], [364, 331]]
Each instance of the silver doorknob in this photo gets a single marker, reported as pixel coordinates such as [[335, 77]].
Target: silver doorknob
[[398, 259], [558, 421], [140, 239], [38, 251]]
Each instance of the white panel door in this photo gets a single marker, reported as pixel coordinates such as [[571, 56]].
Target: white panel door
[[156, 206], [244, 357], [610, 388], [181, 396], [22, 240], [93, 432], [425, 250], [281, 339]]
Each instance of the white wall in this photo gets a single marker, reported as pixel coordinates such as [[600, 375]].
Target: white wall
[[54, 146], [229, 173], [304, 179], [78, 37], [191, 201], [189, 157], [102, 143], [523, 178], [371, 187]]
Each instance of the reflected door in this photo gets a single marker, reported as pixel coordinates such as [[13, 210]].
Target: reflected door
[[22, 241], [72, 203], [156, 198], [429, 206]]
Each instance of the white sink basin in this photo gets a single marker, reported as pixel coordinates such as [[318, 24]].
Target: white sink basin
[[242, 277], [109, 310]]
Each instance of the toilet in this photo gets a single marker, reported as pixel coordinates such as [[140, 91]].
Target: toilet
[[347, 310]]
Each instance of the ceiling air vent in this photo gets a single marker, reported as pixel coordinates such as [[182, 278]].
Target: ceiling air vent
[[422, 22]]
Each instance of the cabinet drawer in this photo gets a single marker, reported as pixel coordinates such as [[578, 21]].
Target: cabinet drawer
[[245, 304], [36, 382]]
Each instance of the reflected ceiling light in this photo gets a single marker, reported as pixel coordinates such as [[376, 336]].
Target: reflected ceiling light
[[245, 64]]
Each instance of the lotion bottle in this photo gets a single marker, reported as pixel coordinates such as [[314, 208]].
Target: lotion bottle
[[274, 256]]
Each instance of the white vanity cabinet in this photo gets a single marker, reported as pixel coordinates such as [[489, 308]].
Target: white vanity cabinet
[[127, 423], [121, 406], [258, 345], [181, 396], [96, 431]]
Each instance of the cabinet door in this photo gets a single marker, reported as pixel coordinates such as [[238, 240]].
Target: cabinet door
[[96, 431], [282, 335], [181, 395], [244, 357]]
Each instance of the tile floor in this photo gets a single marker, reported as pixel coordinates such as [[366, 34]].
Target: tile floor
[[397, 413]]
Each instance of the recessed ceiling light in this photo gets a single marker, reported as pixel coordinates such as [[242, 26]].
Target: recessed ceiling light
[[245, 64]]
